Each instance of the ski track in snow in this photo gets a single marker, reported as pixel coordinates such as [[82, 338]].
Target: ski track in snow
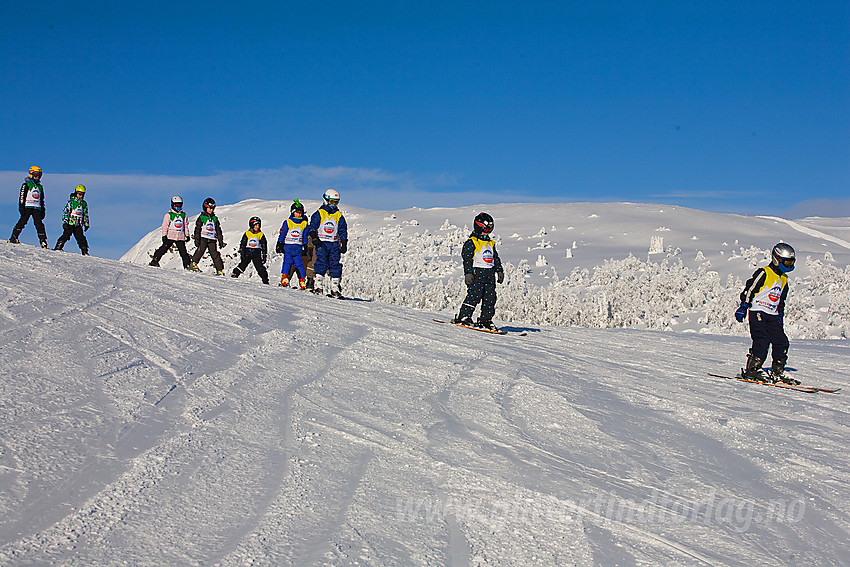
[[811, 231], [154, 417]]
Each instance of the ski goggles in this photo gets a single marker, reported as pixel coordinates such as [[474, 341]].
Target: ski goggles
[[787, 262]]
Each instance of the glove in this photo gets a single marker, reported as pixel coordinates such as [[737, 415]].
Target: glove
[[343, 246], [314, 237], [85, 229], [741, 312], [263, 259], [165, 239], [278, 247], [469, 278], [221, 245], [500, 277], [782, 319]]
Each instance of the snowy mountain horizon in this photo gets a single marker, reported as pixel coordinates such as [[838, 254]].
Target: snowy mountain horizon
[[631, 265]]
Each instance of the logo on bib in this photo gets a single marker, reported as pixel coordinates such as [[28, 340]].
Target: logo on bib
[[774, 294]]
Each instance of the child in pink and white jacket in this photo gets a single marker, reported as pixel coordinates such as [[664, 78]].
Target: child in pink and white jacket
[[175, 230]]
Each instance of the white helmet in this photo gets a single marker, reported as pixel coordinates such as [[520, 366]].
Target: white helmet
[[331, 197], [177, 200]]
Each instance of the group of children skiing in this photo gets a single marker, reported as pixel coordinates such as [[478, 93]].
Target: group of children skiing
[[312, 250], [310, 247]]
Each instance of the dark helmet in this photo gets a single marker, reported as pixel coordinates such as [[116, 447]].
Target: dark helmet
[[296, 206], [209, 202], [783, 257], [254, 220], [483, 223]]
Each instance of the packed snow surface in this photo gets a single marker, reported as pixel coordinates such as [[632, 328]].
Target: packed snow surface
[[161, 417]]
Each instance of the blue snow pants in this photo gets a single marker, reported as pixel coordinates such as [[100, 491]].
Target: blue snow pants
[[292, 255], [327, 259]]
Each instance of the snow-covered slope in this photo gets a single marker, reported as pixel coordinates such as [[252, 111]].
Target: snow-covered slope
[[581, 264], [160, 417]]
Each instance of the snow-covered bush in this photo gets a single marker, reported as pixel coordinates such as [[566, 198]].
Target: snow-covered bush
[[424, 271]]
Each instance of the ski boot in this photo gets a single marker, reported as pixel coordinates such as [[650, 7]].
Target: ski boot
[[488, 325], [84, 252], [14, 240], [336, 289], [44, 244], [319, 285], [302, 283], [219, 272], [193, 267], [754, 371], [284, 280], [460, 320], [236, 272], [777, 371]]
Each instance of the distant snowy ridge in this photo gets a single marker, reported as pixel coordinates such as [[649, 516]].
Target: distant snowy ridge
[[596, 265]]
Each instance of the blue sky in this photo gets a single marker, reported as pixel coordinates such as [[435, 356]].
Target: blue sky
[[724, 106]]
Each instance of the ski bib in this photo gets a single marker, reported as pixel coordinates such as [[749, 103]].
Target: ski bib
[[767, 298], [178, 221], [294, 231], [208, 230], [484, 253], [77, 214], [33, 198], [254, 240], [329, 225]]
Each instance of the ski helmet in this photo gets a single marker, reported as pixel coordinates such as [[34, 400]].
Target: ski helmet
[[296, 206], [255, 220], [35, 171], [331, 197], [783, 257], [483, 223], [209, 202], [80, 189], [177, 202]]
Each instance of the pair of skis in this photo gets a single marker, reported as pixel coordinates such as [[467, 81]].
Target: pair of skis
[[798, 388]]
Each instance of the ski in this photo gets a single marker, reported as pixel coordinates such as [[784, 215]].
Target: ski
[[499, 332], [808, 389]]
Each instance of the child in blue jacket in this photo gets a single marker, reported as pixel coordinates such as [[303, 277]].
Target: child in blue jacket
[[291, 241]]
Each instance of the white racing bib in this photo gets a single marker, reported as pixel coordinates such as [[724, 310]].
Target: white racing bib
[[208, 230]]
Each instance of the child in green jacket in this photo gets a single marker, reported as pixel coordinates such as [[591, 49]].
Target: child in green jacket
[[75, 220]]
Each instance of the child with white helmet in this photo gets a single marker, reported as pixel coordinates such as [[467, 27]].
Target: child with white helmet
[[329, 233], [175, 231]]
